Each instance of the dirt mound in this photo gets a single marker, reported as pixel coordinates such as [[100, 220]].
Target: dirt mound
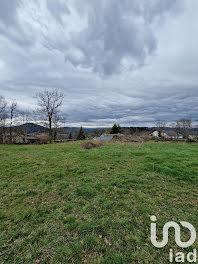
[[90, 145]]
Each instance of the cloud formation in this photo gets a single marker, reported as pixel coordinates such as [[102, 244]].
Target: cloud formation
[[117, 34], [125, 61], [8, 11]]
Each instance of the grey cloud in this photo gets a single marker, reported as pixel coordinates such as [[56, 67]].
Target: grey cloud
[[8, 12], [44, 48], [58, 9], [118, 34], [10, 26], [146, 108]]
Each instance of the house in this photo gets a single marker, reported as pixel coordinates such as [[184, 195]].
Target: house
[[171, 134], [25, 140], [106, 137], [31, 140], [64, 140], [155, 134]]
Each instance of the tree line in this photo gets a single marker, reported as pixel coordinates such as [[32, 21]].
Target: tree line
[[13, 121], [48, 113], [181, 127]]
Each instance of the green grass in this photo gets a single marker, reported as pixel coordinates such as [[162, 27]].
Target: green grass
[[62, 204]]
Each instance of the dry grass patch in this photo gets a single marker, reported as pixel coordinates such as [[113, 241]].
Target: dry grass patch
[[91, 144]]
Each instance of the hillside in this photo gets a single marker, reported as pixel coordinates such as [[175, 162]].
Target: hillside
[[34, 128]]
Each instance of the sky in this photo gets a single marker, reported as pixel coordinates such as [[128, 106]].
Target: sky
[[132, 61]]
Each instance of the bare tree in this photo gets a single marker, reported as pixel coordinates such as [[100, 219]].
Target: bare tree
[[49, 103], [3, 117], [12, 113], [183, 127], [2, 105], [161, 126], [26, 117], [57, 122]]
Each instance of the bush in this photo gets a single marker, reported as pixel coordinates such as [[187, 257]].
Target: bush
[[190, 140], [90, 145]]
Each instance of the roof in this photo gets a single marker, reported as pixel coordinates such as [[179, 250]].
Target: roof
[[31, 138], [106, 137]]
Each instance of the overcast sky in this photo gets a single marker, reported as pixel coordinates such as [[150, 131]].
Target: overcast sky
[[126, 61]]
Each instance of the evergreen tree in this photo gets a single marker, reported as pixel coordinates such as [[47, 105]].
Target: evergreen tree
[[70, 135], [116, 129], [159, 134], [81, 134]]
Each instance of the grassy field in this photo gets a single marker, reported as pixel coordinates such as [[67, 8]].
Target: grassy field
[[62, 204]]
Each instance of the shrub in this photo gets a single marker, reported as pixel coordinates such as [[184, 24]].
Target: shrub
[[90, 145]]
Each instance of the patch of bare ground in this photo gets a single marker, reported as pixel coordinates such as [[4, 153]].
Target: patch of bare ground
[[135, 138], [91, 144]]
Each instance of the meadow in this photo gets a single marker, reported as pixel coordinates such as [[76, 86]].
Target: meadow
[[60, 203]]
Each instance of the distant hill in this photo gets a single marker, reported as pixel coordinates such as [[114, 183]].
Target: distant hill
[[86, 129], [34, 128]]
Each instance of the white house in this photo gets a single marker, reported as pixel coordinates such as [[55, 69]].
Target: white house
[[167, 135]]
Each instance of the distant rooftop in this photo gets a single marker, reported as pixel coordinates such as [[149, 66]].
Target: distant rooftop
[[106, 137]]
